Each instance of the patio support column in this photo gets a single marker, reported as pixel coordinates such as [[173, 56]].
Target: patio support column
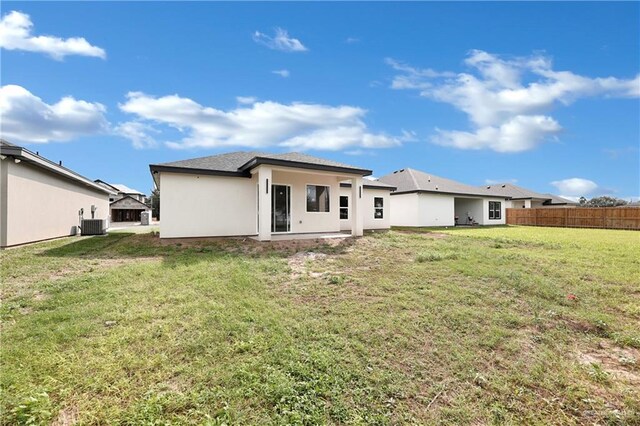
[[264, 203], [357, 210]]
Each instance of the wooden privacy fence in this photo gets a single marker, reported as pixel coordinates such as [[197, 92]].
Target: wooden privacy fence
[[577, 217]]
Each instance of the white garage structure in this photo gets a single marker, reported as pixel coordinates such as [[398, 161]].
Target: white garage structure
[[423, 199], [40, 199], [263, 195]]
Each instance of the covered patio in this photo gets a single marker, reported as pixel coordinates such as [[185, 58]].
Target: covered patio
[[299, 203]]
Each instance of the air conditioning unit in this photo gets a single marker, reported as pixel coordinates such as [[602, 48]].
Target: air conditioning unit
[[93, 227]]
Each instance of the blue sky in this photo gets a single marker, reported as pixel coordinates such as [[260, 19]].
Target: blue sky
[[543, 94]]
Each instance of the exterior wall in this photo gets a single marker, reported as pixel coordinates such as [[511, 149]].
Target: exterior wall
[[39, 205], [428, 209], [205, 206], [465, 207], [368, 195], [436, 210], [517, 204], [528, 204], [301, 220], [404, 210]]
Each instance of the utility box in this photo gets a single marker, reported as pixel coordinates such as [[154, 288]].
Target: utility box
[[93, 227], [145, 218]]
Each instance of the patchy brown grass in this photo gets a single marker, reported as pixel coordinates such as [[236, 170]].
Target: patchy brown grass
[[480, 331]]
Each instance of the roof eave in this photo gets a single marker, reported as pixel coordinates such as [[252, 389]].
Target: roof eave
[[425, 191], [27, 156], [257, 161], [369, 186], [156, 168]]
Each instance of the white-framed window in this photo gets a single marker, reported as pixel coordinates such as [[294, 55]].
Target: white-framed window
[[318, 198], [378, 207], [495, 210], [344, 207]]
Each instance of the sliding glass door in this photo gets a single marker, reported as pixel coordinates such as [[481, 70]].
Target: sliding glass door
[[280, 208]]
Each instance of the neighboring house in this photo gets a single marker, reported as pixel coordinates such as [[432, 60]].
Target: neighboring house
[[524, 198], [41, 199], [423, 199], [126, 204], [252, 193]]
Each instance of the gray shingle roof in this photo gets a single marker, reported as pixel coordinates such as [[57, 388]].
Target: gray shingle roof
[[514, 191], [411, 180], [556, 199], [517, 192], [229, 162], [233, 162]]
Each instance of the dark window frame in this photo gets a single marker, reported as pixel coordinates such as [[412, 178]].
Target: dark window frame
[[495, 210], [378, 209], [344, 210], [310, 203]]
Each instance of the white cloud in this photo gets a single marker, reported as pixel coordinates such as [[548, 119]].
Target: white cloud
[[413, 78], [282, 73], [262, 124], [352, 40], [27, 118], [409, 136], [138, 133], [626, 152], [246, 100], [279, 41], [574, 188], [15, 34], [520, 133], [507, 100]]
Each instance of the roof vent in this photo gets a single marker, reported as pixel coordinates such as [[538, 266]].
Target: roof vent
[[61, 162], [488, 186], [401, 170], [429, 178], [504, 186], [436, 187]]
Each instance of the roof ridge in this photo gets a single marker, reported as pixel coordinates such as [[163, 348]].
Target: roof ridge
[[413, 178]]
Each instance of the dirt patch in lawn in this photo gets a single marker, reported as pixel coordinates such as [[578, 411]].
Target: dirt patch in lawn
[[66, 417], [425, 234], [245, 245], [621, 363], [299, 264]]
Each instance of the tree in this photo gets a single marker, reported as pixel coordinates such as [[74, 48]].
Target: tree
[[155, 203], [605, 201]]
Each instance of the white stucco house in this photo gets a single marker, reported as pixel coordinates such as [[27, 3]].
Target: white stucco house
[[41, 199], [264, 195], [524, 198], [423, 199]]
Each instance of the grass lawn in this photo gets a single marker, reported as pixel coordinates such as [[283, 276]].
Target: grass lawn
[[462, 326]]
